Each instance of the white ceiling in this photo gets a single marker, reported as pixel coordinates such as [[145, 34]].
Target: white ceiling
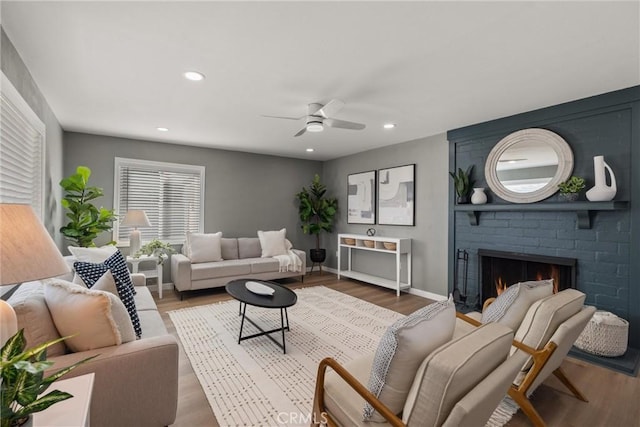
[[114, 68]]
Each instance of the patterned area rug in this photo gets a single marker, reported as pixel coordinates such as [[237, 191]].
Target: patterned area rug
[[254, 383]]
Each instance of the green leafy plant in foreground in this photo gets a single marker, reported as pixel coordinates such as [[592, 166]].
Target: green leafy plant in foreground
[[155, 248], [86, 220], [572, 185], [23, 380], [315, 210]]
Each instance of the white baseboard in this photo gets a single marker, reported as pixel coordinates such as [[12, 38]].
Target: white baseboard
[[165, 287], [427, 294]]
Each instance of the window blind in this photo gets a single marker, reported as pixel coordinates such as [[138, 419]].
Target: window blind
[[21, 151], [170, 194]]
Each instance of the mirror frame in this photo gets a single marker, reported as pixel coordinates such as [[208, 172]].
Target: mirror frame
[[559, 145]]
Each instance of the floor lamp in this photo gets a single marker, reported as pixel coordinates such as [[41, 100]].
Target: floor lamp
[[27, 252], [135, 219]]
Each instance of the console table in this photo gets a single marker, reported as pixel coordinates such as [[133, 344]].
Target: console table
[[396, 247]]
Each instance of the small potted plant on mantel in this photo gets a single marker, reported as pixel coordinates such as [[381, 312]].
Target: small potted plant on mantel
[[570, 189], [462, 183]]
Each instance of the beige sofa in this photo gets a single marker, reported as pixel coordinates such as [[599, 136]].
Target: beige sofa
[[136, 383], [241, 258]]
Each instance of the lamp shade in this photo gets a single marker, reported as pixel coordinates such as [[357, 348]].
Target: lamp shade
[[27, 252], [136, 218]]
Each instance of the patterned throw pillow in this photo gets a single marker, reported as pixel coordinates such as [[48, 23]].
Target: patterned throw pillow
[[402, 350], [90, 273], [510, 307]]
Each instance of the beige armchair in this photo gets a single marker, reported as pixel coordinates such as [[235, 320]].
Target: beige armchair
[[542, 342], [459, 383]]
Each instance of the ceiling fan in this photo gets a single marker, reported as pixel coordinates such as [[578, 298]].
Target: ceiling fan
[[318, 116]]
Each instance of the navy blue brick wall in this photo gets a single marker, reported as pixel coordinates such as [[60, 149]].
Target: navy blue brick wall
[[608, 254]]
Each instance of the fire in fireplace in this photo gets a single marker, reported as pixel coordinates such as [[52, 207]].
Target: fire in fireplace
[[498, 270]]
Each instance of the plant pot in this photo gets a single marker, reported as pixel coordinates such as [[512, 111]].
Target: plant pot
[[318, 255], [569, 197], [462, 200]]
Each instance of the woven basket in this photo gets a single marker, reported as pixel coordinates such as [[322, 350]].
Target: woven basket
[[605, 335], [389, 246], [369, 243], [349, 241]]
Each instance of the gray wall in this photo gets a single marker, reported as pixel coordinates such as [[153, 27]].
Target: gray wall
[[429, 235], [14, 68], [243, 192]]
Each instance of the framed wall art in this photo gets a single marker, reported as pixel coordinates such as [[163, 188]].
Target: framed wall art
[[361, 196], [396, 195]]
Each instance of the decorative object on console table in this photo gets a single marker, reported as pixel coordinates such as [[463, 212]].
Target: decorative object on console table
[[27, 253], [462, 183], [86, 221], [479, 197], [602, 192], [396, 195], [570, 189], [361, 196], [316, 215], [135, 219]]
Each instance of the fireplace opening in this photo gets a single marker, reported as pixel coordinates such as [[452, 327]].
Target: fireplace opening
[[498, 270]]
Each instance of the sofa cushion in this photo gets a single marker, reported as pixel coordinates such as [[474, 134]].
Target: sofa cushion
[[208, 270], [92, 254], [91, 319], [512, 305], [152, 324], [272, 242], [34, 317], [249, 247], [343, 401], [204, 247], [264, 265], [402, 349], [90, 273], [229, 248], [144, 301]]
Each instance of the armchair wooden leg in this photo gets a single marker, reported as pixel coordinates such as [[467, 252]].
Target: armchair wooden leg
[[559, 373], [527, 408]]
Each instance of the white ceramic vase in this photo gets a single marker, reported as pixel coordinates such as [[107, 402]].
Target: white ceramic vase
[[478, 197], [602, 192]]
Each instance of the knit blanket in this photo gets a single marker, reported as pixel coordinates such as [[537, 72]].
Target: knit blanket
[[289, 262]]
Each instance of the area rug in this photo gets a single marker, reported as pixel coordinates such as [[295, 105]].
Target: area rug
[[254, 383]]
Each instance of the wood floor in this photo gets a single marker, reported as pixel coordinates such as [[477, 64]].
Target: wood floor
[[614, 399]]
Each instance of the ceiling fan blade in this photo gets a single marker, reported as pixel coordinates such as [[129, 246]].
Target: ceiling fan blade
[[343, 124], [331, 108], [301, 131], [281, 117]]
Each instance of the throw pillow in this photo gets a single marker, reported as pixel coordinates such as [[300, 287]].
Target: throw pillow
[[90, 274], [118, 266], [204, 247], [92, 254], [273, 242], [91, 319], [402, 350], [512, 305]]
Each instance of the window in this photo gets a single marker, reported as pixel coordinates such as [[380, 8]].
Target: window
[[171, 195], [22, 138]]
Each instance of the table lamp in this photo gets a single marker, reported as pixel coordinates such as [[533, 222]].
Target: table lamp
[[27, 252], [135, 219]]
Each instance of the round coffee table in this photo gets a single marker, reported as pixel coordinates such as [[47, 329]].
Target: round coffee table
[[282, 298]]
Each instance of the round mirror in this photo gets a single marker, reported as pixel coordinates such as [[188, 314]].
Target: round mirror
[[527, 166]]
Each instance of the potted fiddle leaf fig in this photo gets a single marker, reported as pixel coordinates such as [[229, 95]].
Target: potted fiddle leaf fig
[[23, 381], [463, 184], [316, 213], [86, 221]]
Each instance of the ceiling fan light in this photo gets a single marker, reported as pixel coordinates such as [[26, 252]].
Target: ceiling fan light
[[194, 76], [389, 125], [314, 127]]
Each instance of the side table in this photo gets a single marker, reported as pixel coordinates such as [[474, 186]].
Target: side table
[[73, 412], [156, 272]]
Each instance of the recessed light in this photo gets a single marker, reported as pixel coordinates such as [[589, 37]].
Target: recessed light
[[193, 76], [163, 129], [310, 150], [389, 125]]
